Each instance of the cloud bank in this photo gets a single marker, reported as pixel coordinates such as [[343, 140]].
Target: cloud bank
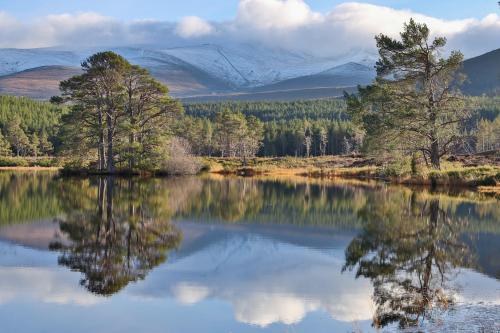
[[287, 24]]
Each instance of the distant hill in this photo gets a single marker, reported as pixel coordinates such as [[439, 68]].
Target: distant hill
[[192, 71], [347, 75], [38, 83], [483, 74], [207, 72], [274, 95]]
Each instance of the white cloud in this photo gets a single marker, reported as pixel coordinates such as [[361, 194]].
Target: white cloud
[[194, 26], [287, 24], [274, 14]]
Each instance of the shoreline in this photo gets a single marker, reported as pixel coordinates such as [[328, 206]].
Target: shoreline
[[452, 174], [29, 168], [484, 178]]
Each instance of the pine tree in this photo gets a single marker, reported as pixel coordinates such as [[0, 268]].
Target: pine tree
[[45, 146], [119, 114], [4, 146], [16, 137], [34, 145], [307, 140], [413, 106], [323, 140]]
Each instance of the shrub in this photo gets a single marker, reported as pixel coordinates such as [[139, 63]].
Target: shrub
[[180, 161], [399, 167], [13, 162], [47, 162]]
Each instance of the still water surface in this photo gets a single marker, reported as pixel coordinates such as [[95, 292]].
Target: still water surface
[[243, 255]]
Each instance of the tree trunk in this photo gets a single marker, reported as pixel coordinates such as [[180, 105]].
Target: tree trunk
[[131, 139], [111, 162], [101, 143], [435, 156]]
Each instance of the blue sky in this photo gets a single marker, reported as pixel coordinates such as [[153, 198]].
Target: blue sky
[[173, 10]]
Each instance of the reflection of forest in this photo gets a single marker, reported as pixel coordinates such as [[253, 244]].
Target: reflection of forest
[[27, 197], [119, 229]]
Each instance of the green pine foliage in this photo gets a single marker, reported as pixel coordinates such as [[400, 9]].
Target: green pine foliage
[[22, 118], [320, 127], [35, 116], [331, 109]]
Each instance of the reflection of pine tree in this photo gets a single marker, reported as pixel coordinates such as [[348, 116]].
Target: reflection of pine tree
[[407, 249], [117, 239]]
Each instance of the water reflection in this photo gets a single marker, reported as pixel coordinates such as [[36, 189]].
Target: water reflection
[[407, 248], [272, 254], [118, 230]]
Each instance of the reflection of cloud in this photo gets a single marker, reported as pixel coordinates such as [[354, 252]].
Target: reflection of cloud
[[42, 284], [188, 293], [264, 309], [476, 288], [264, 282]]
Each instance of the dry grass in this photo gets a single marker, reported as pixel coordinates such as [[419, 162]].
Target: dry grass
[[30, 168], [357, 167]]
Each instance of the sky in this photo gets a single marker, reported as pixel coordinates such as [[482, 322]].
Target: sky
[[321, 27], [173, 10]]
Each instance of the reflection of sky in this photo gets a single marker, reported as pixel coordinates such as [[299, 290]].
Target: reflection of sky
[[265, 281], [223, 279]]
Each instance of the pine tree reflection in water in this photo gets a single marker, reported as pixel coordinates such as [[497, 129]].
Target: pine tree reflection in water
[[408, 248], [118, 230]]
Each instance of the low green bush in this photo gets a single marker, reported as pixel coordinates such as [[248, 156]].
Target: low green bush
[[13, 162], [46, 162]]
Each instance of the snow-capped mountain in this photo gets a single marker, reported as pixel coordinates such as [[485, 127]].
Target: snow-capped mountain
[[17, 60], [203, 69]]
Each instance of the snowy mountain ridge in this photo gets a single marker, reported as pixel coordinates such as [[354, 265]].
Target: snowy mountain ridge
[[239, 65], [198, 72]]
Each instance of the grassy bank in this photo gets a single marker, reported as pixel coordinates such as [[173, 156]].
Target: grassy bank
[[30, 162], [452, 173]]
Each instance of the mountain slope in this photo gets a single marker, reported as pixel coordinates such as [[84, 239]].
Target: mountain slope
[[347, 75], [182, 78], [215, 72], [17, 60], [483, 74], [38, 83]]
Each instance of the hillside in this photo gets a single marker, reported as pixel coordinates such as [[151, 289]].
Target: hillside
[[203, 71], [347, 75], [37, 83], [483, 74], [274, 95], [209, 72]]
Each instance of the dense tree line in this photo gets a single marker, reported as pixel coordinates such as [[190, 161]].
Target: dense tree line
[[487, 135], [230, 134], [28, 127], [227, 136], [330, 109], [300, 128], [315, 128]]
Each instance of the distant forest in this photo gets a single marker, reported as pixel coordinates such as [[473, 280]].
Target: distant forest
[[319, 127], [298, 128]]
